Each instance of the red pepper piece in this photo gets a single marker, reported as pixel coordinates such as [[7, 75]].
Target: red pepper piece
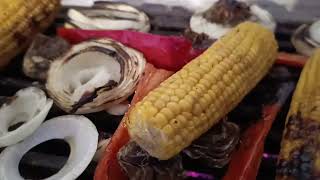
[[108, 167], [245, 161], [293, 60], [166, 52]]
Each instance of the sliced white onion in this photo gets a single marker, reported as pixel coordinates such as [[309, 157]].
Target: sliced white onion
[[314, 31], [78, 131], [101, 149], [111, 16], [199, 24], [307, 38], [29, 106], [94, 75], [118, 109]]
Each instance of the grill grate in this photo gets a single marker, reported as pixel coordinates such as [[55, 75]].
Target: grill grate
[[13, 79]]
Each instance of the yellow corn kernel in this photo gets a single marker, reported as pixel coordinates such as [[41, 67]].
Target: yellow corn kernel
[[302, 129], [238, 61]]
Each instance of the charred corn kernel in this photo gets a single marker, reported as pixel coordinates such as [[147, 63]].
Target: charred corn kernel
[[20, 21], [207, 102], [300, 154]]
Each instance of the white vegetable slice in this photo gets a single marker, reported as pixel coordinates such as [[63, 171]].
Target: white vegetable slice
[[307, 38], [200, 24], [108, 16], [29, 106], [78, 131], [94, 75], [314, 31]]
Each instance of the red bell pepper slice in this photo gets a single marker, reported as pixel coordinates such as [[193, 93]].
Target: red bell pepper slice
[[108, 167], [245, 161], [292, 60], [166, 52]]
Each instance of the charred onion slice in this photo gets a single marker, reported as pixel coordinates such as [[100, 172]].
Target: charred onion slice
[[214, 148], [224, 15], [139, 165], [307, 38], [41, 53], [29, 107], [94, 75], [111, 16]]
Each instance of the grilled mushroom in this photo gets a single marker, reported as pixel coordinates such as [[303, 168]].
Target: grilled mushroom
[[41, 53], [225, 14], [112, 16], [94, 75], [307, 38], [28, 108]]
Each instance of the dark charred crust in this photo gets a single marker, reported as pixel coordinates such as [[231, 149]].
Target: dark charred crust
[[200, 41], [228, 12], [138, 164], [222, 138], [90, 96], [20, 38], [42, 52], [86, 98], [301, 164]]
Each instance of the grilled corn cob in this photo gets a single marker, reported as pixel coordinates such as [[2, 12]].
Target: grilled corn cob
[[191, 101], [20, 21], [300, 149]]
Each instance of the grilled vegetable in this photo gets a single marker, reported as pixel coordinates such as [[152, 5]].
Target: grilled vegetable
[[41, 53], [166, 52], [94, 75], [138, 164], [307, 38], [245, 161], [194, 99], [20, 21], [214, 148], [299, 156], [106, 15], [109, 168], [27, 108], [226, 14]]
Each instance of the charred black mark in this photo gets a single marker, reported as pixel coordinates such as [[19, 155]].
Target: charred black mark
[[222, 138], [105, 16], [92, 49], [90, 96], [138, 164], [302, 159], [20, 38], [228, 12]]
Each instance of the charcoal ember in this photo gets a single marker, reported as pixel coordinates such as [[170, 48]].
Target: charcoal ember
[[214, 148], [139, 165]]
